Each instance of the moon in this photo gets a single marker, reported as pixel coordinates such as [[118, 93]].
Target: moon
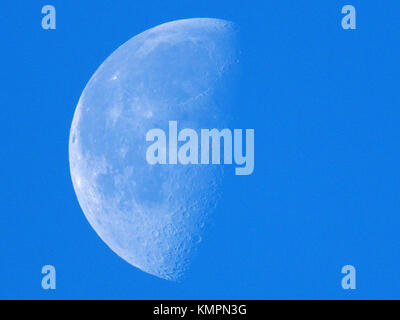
[[153, 216]]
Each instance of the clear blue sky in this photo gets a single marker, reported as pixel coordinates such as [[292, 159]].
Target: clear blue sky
[[325, 107]]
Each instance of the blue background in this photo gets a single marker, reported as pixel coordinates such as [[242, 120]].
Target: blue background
[[325, 192]]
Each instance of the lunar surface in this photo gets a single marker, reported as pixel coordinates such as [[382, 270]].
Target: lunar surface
[[152, 216]]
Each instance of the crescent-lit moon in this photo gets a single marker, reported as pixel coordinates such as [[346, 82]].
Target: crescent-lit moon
[[153, 216]]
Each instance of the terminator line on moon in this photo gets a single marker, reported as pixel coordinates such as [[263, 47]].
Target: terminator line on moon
[[152, 216]]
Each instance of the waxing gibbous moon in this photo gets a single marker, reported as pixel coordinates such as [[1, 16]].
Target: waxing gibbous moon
[[152, 216]]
